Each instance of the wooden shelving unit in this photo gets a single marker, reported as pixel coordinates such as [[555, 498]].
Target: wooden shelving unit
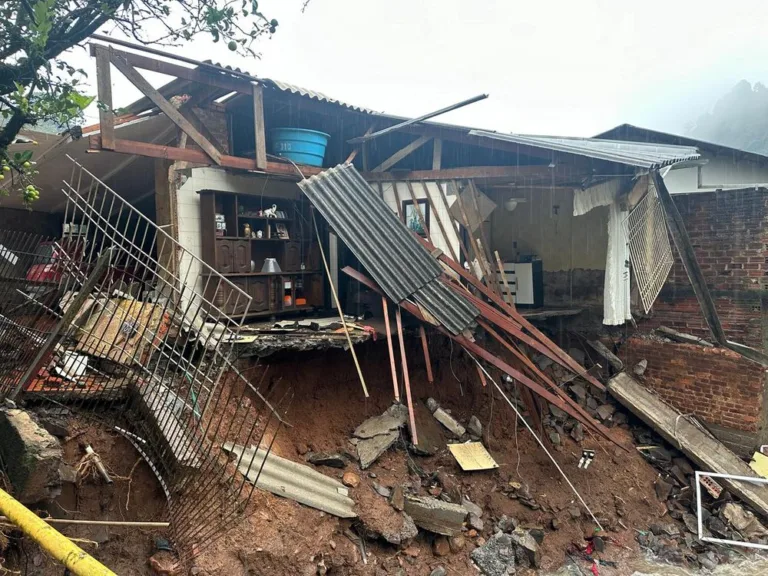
[[299, 286]]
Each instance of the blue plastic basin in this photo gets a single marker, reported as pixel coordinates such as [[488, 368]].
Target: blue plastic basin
[[301, 146]]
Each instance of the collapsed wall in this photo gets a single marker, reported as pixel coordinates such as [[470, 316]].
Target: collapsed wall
[[722, 388]]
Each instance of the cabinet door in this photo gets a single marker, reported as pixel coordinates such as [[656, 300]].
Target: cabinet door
[[241, 256], [259, 291], [224, 259], [292, 256], [315, 292]]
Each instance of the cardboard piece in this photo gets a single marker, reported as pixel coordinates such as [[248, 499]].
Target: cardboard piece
[[472, 456]]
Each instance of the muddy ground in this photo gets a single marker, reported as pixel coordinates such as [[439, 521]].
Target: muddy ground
[[279, 537]]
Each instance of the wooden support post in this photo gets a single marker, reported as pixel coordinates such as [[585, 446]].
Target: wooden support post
[[486, 247], [166, 107], [476, 255], [390, 348], [406, 379], [165, 208], [437, 155], [398, 203], [258, 127], [417, 208], [425, 346], [402, 153], [462, 246], [104, 90]]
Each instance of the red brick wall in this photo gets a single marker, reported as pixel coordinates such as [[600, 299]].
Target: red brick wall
[[716, 384], [729, 232]]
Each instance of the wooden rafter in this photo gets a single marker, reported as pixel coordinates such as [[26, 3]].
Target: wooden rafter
[[466, 173], [258, 127], [104, 88], [402, 153], [174, 115]]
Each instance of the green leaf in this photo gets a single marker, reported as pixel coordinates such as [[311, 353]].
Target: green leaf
[[26, 156]]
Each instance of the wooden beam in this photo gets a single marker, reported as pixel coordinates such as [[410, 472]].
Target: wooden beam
[[260, 132], [166, 107], [402, 153], [192, 74], [439, 220], [199, 157], [356, 151], [466, 173], [688, 257], [104, 90], [195, 120], [437, 154]]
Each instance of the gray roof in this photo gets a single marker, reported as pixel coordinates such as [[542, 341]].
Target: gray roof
[[384, 245], [639, 154]]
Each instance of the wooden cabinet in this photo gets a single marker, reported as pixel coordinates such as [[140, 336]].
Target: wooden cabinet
[[227, 250], [224, 257], [241, 256]]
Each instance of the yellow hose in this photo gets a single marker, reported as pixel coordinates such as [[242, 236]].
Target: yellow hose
[[53, 542]]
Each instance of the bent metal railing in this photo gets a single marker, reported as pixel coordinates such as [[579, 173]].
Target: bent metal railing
[[117, 319]]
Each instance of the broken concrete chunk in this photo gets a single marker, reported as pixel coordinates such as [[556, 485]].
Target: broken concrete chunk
[[378, 425], [557, 413], [640, 367], [439, 571], [475, 427], [398, 498], [370, 449], [326, 459], [606, 411], [580, 392], [441, 546], [527, 550], [432, 404], [475, 522], [577, 432], [449, 422], [743, 520], [431, 435], [554, 437], [496, 557], [471, 507], [32, 457], [435, 515], [663, 489], [382, 490]]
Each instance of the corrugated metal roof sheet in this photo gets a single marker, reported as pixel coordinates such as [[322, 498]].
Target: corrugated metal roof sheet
[[285, 87], [640, 154], [384, 245]]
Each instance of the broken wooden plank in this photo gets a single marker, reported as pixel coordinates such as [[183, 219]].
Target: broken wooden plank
[[701, 447], [402, 153], [104, 90], [609, 356], [173, 114], [260, 133], [681, 337]]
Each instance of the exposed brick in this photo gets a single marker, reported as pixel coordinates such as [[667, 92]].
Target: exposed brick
[[716, 384]]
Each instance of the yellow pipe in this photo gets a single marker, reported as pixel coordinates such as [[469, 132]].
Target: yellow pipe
[[53, 542]]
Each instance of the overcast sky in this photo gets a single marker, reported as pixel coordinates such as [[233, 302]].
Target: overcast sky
[[563, 67]]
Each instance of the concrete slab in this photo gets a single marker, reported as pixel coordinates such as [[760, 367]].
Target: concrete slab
[[449, 422], [370, 449], [435, 515]]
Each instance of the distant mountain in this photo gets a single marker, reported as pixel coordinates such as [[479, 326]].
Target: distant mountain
[[739, 119]]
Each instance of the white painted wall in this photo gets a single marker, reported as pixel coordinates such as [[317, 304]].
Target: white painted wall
[[719, 172], [435, 234]]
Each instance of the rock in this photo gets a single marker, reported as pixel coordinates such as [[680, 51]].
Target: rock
[[449, 422], [350, 479], [640, 367], [579, 392], [619, 418], [382, 490], [577, 432], [406, 532], [99, 534], [663, 489], [378, 425], [326, 459], [441, 547], [432, 404], [411, 551], [577, 354], [475, 427], [435, 515], [471, 507], [164, 563], [301, 449], [439, 571], [527, 550], [431, 434], [475, 522], [557, 413], [67, 474], [506, 524], [708, 560], [435, 491], [554, 437], [496, 557], [450, 484], [332, 544], [668, 529], [691, 523], [538, 534], [397, 499], [679, 475], [606, 411], [32, 457], [556, 524], [743, 520], [684, 465], [457, 543], [592, 403], [575, 512], [599, 544], [480, 541], [369, 450], [55, 426], [717, 527]]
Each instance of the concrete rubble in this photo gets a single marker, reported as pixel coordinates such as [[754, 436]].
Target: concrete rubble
[[436, 515], [32, 456], [376, 435], [496, 557]]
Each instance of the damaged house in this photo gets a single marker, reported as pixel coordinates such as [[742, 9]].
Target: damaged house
[[199, 245]]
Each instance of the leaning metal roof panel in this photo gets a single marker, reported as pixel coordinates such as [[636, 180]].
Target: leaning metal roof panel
[[384, 245], [639, 154]]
